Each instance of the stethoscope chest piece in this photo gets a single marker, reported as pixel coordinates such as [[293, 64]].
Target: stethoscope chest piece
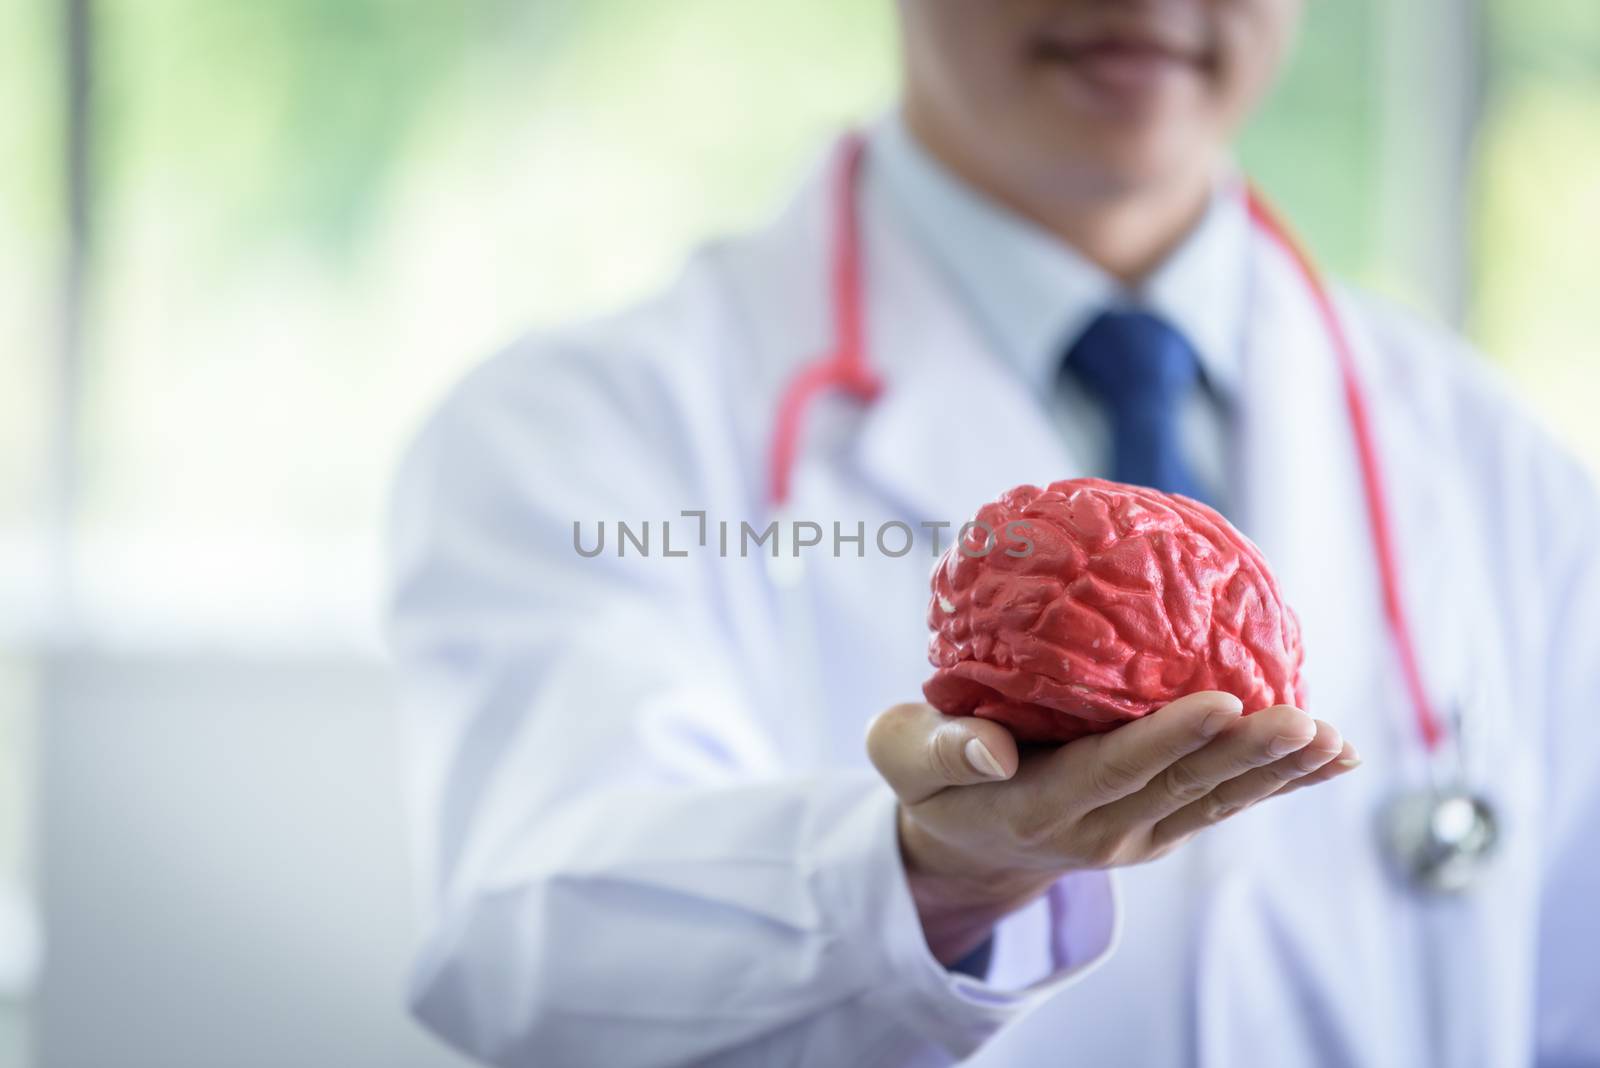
[[1441, 839]]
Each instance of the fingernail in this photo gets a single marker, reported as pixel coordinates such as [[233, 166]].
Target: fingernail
[[983, 761], [1351, 761], [1217, 722], [1284, 744]]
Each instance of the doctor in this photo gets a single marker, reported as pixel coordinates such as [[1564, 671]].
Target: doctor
[[648, 826]]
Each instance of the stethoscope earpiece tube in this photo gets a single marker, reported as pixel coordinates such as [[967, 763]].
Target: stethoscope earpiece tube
[[845, 368], [1428, 724]]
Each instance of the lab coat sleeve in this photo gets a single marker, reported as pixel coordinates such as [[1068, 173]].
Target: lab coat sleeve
[[1568, 1027], [620, 866]]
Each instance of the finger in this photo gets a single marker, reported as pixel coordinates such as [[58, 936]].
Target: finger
[[1347, 761], [1100, 769], [1255, 741], [920, 751], [1244, 790]]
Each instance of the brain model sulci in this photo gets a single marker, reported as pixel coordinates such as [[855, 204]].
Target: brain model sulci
[[1069, 610]]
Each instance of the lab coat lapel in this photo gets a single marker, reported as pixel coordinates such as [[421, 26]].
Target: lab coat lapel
[[955, 425]]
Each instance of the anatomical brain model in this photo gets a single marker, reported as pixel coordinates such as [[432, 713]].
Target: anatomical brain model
[[1092, 603]]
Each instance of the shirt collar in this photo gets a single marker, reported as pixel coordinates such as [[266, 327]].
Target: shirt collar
[[1034, 294]]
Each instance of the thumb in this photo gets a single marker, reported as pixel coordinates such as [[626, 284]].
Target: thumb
[[920, 751]]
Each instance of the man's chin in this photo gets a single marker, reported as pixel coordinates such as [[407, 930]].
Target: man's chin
[[1125, 163]]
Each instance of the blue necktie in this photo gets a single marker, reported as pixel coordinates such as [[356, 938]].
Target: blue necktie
[[1140, 370]]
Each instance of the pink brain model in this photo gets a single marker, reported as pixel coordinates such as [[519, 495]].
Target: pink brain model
[[1096, 603]]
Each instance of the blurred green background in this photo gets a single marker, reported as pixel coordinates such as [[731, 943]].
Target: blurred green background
[[297, 221]]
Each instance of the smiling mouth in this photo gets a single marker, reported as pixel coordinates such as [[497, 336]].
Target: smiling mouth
[[1123, 63]]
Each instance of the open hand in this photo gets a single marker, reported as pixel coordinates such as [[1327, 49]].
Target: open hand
[[984, 830]]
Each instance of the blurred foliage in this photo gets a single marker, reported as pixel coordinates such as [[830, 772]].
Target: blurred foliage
[[1552, 41], [1537, 209], [30, 225], [296, 111], [315, 214], [30, 121], [1313, 148]]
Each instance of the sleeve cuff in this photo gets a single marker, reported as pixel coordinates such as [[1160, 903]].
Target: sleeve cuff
[[958, 1011]]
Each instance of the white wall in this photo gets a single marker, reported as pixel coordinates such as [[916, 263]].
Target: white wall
[[222, 860]]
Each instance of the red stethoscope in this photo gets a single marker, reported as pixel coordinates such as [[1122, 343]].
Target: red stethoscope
[[1439, 836]]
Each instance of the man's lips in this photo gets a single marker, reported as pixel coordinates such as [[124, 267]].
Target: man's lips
[[1067, 49], [1119, 61]]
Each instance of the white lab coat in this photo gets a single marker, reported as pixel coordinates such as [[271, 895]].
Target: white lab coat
[[645, 823]]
